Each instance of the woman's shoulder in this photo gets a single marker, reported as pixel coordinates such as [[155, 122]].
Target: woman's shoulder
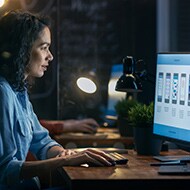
[[5, 88]]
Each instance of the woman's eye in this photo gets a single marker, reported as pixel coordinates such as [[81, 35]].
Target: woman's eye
[[44, 48]]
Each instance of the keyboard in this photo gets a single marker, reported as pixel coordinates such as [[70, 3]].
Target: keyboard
[[118, 158]]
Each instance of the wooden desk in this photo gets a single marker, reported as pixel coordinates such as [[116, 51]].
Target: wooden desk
[[105, 137], [137, 174]]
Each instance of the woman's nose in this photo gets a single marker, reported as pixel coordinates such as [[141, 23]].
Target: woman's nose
[[50, 56]]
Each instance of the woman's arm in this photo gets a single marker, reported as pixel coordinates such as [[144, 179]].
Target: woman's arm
[[89, 156]]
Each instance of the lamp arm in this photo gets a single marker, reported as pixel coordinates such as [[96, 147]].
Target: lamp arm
[[144, 75]]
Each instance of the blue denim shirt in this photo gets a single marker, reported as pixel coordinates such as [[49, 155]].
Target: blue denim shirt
[[20, 131]]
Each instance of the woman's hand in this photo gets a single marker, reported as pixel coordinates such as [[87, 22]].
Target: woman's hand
[[89, 156]]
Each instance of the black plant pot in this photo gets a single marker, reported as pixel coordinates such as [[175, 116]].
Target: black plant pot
[[145, 142], [125, 128]]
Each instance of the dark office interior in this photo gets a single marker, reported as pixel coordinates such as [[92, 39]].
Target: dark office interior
[[91, 36]]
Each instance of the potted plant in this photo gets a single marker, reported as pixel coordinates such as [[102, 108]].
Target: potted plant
[[122, 108], [141, 115], [141, 118]]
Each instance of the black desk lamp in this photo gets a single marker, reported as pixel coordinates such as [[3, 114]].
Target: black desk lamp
[[129, 81]]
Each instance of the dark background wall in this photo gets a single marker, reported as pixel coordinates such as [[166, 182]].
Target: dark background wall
[[91, 35], [96, 35]]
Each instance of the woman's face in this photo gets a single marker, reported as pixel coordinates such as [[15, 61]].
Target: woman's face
[[40, 55]]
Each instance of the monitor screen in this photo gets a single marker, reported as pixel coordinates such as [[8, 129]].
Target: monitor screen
[[172, 98]]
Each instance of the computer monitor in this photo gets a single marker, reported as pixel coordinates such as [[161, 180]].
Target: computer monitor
[[172, 98]]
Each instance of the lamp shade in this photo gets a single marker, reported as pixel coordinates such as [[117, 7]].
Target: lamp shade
[[87, 82], [129, 81], [86, 85]]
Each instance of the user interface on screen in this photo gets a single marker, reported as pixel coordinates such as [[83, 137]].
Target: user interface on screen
[[172, 96]]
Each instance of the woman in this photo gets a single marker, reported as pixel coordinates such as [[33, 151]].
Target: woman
[[24, 54]]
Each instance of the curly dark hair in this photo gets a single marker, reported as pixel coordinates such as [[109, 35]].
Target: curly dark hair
[[18, 31]]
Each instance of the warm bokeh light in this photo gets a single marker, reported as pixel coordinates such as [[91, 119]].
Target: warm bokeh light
[[86, 85], [2, 2]]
